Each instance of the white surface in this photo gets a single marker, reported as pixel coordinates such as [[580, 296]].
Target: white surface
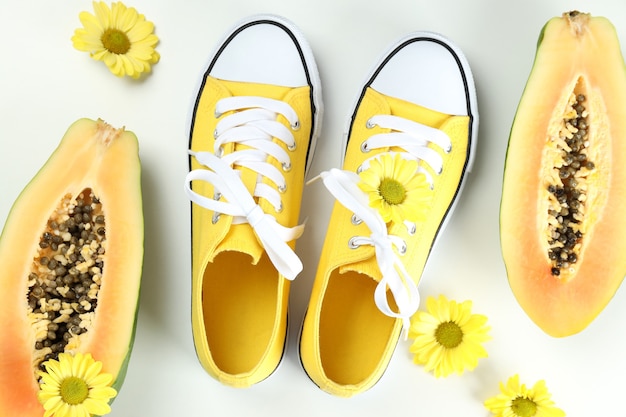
[[45, 85]]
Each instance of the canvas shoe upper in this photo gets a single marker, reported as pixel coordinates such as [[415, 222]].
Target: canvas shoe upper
[[253, 133], [410, 142]]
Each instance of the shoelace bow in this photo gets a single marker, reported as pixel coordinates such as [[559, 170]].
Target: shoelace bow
[[252, 124], [413, 138]]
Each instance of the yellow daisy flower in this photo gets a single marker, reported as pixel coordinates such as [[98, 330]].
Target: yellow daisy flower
[[448, 337], [118, 36], [516, 400], [74, 386], [395, 188]]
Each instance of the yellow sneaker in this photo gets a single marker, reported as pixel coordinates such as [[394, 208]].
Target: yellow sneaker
[[410, 142], [253, 134]]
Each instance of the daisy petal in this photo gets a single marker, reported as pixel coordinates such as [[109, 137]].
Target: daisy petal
[[125, 32], [437, 343], [97, 408], [502, 404], [55, 399]]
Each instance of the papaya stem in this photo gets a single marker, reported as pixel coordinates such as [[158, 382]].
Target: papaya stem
[[105, 133]]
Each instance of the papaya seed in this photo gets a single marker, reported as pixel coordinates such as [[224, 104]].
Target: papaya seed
[[564, 234], [66, 275]]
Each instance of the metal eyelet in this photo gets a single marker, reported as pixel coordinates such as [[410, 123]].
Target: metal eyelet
[[216, 217], [296, 125], [359, 169], [364, 147], [369, 124], [402, 249], [356, 220], [282, 188], [411, 230], [280, 208], [440, 171], [352, 243], [292, 147], [287, 166], [217, 113], [215, 134], [448, 149], [217, 196]]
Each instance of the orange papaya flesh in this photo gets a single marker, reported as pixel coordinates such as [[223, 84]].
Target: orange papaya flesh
[[72, 255], [562, 228]]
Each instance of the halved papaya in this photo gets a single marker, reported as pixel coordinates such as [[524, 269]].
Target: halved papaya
[[562, 223], [71, 253]]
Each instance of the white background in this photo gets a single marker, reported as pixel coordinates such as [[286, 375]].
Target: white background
[[45, 85]]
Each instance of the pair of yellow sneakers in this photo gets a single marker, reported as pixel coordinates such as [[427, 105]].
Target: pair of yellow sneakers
[[409, 144]]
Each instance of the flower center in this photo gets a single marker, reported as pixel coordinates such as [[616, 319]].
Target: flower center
[[524, 407], [392, 191], [74, 390], [115, 41], [449, 334]]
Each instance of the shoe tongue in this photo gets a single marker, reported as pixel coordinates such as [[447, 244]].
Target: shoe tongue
[[412, 111], [367, 267], [453, 125], [240, 238], [237, 88]]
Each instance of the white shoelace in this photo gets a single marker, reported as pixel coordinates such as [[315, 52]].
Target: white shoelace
[[413, 138], [253, 124], [343, 186]]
